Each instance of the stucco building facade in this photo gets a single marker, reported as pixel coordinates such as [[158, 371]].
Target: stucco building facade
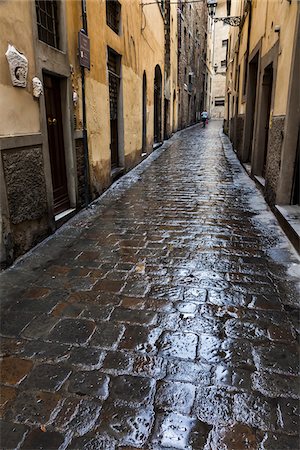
[[218, 42], [262, 113], [192, 50], [63, 148]]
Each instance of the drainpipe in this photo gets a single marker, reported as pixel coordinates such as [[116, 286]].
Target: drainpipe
[[84, 129]]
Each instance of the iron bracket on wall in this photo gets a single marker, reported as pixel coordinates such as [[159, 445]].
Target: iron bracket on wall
[[234, 21]]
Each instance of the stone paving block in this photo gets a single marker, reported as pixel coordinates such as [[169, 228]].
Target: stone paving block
[[107, 335], [232, 352], [117, 363], [86, 417], [172, 430], [37, 306], [66, 309], [114, 286], [135, 288], [11, 435], [92, 383], [95, 312], [232, 376], [235, 437], [11, 346], [138, 317], [127, 425], [72, 331], [214, 406], [39, 327], [33, 408], [189, 372], [86, 358], [178, 345], [280, 358], [46, 351], [36, 293], [67, 412], [272, 441], [47, 377], [166, 292], [9, 326], [13, 370], [91, 442], [174, 396], [140, 338], [149, 366], [288, 416], [276, 385], [7, 394], [132, 390], [255, 410], [199, 435], [38, 439]]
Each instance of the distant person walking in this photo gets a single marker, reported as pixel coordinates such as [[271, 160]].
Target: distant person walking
[[204, 118]]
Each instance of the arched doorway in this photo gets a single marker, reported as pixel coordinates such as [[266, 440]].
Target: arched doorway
[[144, 125], [157, 104]]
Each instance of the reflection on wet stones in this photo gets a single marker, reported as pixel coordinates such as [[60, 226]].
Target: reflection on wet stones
[[171, 308], [127, 425]]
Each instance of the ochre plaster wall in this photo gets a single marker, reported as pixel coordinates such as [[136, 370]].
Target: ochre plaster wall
[[19, 111], [141, 46]]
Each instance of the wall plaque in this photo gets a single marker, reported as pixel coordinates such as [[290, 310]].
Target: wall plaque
[[18, 66], [84, 49]]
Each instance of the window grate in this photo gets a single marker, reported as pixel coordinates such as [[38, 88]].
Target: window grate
[[47, 21], [113, 14]]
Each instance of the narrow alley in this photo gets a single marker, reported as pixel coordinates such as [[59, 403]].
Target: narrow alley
[[164, 316]]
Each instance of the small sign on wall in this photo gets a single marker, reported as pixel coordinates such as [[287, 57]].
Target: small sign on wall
[[84, 49]]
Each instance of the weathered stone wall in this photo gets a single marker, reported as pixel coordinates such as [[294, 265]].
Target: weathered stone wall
[[274, 158], [25, 184], [26, 199], [80, 171]]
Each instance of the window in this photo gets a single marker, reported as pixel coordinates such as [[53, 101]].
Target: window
[[228, 7], [219, 102], [223, 63], [47, 21], [113, 15], [224, 43]]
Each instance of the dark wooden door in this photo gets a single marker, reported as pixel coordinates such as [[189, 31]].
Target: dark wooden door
[[113, 65], [56, 143], [113, 100]]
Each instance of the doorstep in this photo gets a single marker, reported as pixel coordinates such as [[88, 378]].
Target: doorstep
[[64, 216], [116, 173], [289, 218], [157, 145]]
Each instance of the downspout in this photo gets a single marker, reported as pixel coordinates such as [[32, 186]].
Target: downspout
[[84, 128]]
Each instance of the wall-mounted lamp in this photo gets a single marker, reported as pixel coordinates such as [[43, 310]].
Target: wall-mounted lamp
[[212, 6], [233, 21], [215, 67]]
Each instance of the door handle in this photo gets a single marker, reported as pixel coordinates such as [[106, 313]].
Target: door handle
[[52, 121]]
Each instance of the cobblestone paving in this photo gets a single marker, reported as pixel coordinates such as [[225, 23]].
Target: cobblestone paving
[[164, 317]]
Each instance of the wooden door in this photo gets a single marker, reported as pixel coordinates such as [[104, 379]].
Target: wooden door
[[113, 65], [56, 143]]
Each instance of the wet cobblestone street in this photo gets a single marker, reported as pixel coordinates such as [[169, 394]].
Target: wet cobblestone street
[[163, 317]]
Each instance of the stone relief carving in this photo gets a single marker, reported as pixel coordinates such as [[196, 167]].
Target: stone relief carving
[[37, 87], [18, 66]]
